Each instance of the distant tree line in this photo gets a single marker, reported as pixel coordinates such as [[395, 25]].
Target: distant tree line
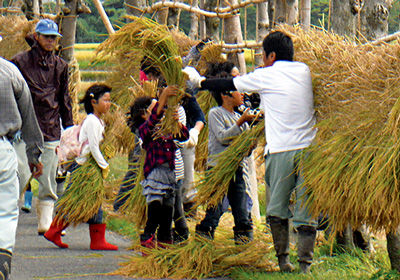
[[90, 28]]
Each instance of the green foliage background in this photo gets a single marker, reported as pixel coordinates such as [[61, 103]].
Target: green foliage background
[[90, 28]]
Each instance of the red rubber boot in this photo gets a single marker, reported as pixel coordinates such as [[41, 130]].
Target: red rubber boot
[[53, 234], [97, 238]]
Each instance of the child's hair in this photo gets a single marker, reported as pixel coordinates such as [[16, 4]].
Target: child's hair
[[279, 43], [217, 68], [94, 92], [148, 67], [218, 94], [221, 69], [138, 109]]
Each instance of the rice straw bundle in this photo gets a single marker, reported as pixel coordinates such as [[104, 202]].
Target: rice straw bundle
[[120, 136], [206, 102], [215, 182], [209, 54], [200, 258], [149, 39], [73, 88], [183, 41], [14, 29], [352, 167], [135, 205], [83, 198]]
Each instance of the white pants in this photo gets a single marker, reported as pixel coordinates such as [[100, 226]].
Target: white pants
[[24, 172], [9, 192], [189, 190], [47, 182]]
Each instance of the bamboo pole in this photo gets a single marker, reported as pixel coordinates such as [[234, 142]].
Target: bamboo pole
[[219, 12], [385, 39], [104, 17]]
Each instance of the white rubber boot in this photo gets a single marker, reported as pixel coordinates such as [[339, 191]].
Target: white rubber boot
[[45, 215]]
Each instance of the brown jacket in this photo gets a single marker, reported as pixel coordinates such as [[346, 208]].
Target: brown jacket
[[47, 78]]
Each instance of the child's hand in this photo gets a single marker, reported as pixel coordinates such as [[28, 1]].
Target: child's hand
[[246, 117], [176, 115], [167, 92], [105, 172]]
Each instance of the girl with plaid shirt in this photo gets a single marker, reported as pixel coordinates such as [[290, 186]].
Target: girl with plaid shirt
[[159, 168]]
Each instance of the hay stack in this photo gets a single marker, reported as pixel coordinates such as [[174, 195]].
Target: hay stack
[[353, 167]]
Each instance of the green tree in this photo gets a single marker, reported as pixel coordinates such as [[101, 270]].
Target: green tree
[[320, 13], [394, 16]]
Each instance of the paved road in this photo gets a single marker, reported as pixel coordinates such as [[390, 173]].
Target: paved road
[[36, 258]]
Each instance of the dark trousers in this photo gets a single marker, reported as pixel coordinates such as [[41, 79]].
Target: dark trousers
[[179, 214], [159, 216], [238, 202]]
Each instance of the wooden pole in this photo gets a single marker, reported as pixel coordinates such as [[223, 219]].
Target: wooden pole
[[385, 39], [104, 17]]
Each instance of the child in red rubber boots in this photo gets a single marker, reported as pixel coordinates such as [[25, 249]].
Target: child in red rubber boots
[[97, 102]]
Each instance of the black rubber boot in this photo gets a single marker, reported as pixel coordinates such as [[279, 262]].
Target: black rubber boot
[[305, 246], [242, 236], [280, 235], [5, 264], [180, 235], [393, 248], [207, 232]]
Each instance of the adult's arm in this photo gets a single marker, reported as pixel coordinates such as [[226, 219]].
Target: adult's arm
[[218, 84], [30, 130], [64, 98]]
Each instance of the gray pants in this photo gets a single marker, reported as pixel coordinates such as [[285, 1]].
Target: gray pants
[[282, 178], [47, 182]]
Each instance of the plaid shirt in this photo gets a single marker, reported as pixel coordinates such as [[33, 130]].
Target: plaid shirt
[[160, 150]]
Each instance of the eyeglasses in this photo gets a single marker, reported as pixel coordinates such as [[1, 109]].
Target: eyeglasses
[[53, 37]]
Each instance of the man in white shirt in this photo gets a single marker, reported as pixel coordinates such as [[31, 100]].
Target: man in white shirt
[[287, 100]]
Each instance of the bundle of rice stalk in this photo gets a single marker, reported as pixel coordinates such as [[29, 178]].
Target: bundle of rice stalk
[[119, 133], [352, 169], [125, 72], [183, 41], [206, 102], [73, 88], [84, 196], [214, 183], [14, 29], [135, 205], [200, 258], [209, 54], [149, 39]]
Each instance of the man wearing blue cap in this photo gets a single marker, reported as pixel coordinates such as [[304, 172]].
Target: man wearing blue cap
[[16, 114], [47, 78]]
